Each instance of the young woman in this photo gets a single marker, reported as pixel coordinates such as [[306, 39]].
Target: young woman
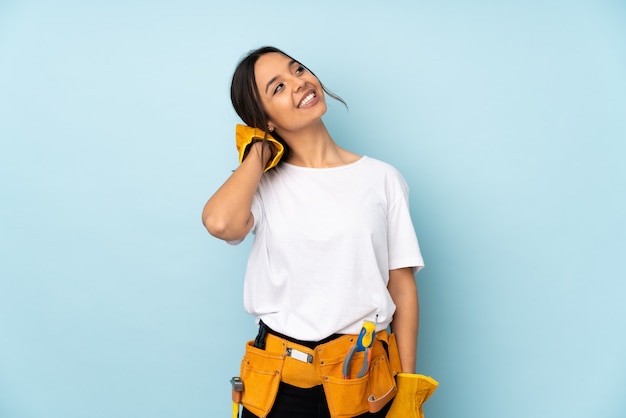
[[334, 248]]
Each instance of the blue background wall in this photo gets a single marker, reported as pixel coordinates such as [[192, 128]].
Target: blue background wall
[[508, 120]]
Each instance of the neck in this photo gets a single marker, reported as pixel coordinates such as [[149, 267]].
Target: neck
[[314, 147]]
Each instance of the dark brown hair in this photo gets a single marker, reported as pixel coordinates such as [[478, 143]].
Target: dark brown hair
[[245, 96]]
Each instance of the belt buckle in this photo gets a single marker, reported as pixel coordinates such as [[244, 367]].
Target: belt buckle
[[299, 355]]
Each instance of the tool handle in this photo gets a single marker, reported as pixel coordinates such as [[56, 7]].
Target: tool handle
[[366, 336], [347, 361], [237, 385]]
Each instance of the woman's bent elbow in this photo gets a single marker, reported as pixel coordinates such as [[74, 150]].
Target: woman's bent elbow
[[222, 229]]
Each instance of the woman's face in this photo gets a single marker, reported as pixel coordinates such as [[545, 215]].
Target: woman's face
[[292, 96]]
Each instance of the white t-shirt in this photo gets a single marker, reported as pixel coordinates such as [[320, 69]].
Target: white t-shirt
[[325, 240]]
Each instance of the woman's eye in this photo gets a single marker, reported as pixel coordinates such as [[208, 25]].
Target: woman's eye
[[300, 70], [278, 88]]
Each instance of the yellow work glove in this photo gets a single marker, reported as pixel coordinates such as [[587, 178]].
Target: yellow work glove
[[245, 135], [413, 391]]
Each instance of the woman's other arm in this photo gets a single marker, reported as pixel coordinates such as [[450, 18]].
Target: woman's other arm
[[403, 291], [227, 214]]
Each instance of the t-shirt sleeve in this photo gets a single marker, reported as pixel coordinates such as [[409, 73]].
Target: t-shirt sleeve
[[403, 247]]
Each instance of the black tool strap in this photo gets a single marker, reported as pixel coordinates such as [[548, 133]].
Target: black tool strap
[[259, 341]]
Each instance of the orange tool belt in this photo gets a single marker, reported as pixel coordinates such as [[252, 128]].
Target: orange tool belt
[[298, 365]]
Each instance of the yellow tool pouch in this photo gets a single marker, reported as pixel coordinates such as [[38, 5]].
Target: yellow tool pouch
[[260, 373], [297, 365], [370, 393]]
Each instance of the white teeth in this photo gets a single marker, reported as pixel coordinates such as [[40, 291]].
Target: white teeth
[[306, 100]]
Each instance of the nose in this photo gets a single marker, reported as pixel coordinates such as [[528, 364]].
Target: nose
[[299, 83]]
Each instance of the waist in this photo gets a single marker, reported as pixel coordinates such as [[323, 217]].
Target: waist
[[306, 366], [264, 330]]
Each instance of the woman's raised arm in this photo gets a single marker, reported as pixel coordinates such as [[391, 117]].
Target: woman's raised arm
[[227, 214]]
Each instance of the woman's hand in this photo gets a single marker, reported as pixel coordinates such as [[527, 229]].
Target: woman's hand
[[246, 136], [265, 150]]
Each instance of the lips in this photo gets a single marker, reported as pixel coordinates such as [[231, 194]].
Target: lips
[[307, 98]]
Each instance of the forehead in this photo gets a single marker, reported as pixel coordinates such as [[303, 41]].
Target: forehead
[[270, 65]]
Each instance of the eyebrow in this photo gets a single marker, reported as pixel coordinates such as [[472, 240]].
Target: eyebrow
[[269, 83]]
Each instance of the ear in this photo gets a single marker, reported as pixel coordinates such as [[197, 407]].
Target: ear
[[270, 127]]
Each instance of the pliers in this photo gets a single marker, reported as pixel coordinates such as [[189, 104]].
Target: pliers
[[364, 342]]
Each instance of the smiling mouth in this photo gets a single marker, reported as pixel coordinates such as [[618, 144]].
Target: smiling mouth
[[307, 100]]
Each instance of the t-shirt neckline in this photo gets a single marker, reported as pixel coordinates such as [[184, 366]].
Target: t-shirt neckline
[[339, 167]]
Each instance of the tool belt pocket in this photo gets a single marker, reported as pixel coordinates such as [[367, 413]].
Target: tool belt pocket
[[260, 372], [346, 397], [370, 393], [382, 381]]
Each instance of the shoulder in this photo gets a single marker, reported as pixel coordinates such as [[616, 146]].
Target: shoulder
[[387, 177], [382, 167]]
